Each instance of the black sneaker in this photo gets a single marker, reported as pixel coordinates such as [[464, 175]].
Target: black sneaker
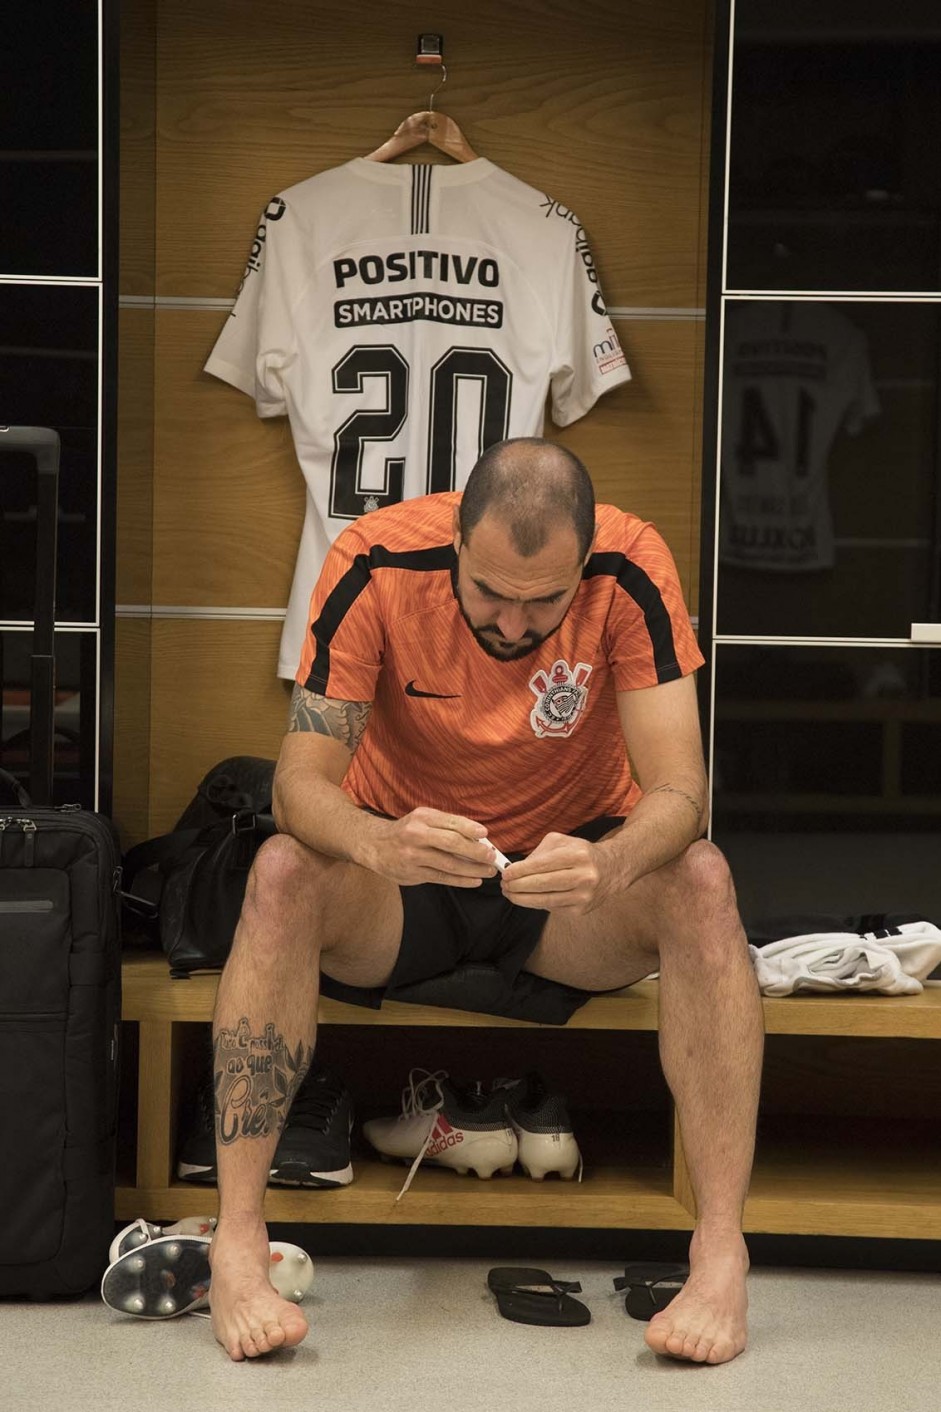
[[314, 1147], [196, 1158]]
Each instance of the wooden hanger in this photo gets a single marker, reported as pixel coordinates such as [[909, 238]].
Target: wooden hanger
[[437, 128]]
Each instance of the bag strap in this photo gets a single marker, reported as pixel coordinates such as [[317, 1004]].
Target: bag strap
[[170, 847]]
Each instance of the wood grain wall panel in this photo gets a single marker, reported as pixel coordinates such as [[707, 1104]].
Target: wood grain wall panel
[[600, 102], [132, 659], [705, 139], [228, 492], [135, 529], [229, 496], [214, 693], [695, 500], [640, 442]]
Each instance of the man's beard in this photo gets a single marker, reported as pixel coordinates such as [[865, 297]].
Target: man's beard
[[531, 640]]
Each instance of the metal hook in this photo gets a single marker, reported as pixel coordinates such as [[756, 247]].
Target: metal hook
[[444, 79]]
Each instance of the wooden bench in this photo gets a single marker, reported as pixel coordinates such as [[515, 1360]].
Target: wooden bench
[[874, 1171]]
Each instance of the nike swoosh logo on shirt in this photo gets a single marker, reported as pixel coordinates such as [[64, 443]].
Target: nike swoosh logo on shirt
[[412, 690]]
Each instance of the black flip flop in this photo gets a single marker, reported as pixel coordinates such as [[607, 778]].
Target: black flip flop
[[650, 1287], [527, 1296]]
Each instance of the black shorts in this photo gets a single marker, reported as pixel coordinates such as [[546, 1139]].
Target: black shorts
[[446, 929]]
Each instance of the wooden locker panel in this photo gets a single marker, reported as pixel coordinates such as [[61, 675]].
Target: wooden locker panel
[[214, 693], [695, 509], [641, 443], [135, 478], [228, 493], [132, 649], [602, 103], [229, 496]]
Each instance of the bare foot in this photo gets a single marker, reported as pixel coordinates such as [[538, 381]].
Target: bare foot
[[249, 1317], [706, 1322]]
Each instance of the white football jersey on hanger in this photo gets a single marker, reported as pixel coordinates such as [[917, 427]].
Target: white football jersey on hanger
[[405, 318]]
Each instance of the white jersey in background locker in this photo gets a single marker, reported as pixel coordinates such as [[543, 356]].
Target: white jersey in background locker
[[795, 375], [405, 318]]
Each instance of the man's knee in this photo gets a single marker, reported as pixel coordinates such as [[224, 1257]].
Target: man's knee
[[702, 890], [704, 872], [282, 866], [284, 886]]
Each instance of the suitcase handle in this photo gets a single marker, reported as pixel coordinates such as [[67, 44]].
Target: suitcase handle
[[42, 443]]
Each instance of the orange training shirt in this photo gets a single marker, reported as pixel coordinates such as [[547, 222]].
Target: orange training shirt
[[526, 747]]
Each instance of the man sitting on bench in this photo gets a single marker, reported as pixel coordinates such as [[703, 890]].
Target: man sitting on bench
[[509, 669]]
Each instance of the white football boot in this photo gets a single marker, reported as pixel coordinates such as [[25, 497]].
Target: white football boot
[[448, 1124], [170, 1275], [540, 1119], [140, 1232]]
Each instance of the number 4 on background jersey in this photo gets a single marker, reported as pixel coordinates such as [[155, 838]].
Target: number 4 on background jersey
[[759, 441]]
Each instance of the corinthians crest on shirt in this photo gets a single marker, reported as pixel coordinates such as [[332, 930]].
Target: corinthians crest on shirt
[[560, 698]]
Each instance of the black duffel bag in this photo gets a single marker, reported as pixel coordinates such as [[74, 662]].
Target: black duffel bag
[[187, 886]]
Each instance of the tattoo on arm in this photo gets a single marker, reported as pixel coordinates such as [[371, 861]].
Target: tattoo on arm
[[694, 804], [256, 1078], [344, 720]]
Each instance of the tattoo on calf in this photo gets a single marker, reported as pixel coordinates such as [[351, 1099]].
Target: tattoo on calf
[[256, 1078], [694, 804], [343, 720]]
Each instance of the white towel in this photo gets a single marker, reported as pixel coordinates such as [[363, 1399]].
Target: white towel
[[893, 961]]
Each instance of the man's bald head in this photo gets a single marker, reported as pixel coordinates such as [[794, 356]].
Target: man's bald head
[[532, 487]]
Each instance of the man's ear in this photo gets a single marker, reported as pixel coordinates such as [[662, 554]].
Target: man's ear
[[591, 547], [456, 530]]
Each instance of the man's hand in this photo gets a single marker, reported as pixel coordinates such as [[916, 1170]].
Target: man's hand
[[560, 872], [427, 846]]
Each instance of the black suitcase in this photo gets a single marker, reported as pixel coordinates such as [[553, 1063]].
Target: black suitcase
[[60, 984]]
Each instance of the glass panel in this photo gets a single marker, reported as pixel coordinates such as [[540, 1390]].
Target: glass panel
[[833, 180], [75, 712], [49, 152], [829, 519], [49, 377], [827, 789], [50, 225]]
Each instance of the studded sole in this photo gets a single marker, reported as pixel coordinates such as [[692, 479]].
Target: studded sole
[[159, 1280]]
